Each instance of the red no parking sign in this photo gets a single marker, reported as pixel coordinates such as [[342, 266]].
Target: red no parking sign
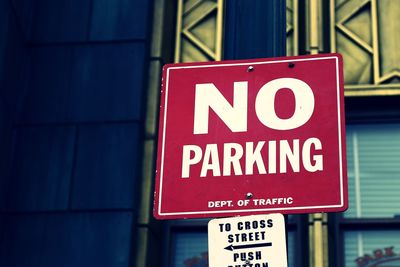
[[251, 136]]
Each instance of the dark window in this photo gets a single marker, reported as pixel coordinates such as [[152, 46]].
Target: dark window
[[368, 233]]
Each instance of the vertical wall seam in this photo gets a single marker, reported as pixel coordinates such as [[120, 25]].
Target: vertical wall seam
[[73, 168], [89, 22]]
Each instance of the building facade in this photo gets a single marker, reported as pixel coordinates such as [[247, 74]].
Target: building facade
[[80, 83]]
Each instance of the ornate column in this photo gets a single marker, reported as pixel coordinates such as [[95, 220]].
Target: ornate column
[[199, 30], [366, 33]]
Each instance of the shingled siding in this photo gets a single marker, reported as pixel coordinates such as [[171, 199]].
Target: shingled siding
[[73, 87]]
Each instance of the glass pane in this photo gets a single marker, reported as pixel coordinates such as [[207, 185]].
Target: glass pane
[[366, 247], [373, 158], [190, 249]]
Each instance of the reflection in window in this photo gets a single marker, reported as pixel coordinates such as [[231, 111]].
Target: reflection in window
[[190, 249], [366, 247], [373, 153]]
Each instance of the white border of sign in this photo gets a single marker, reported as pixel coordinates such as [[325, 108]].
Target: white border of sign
[[263, 209]]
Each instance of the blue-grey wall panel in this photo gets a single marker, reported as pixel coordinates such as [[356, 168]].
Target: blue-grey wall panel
[[254, 29], [24, 11], [16, 69], [107, 167], [4, 19], [41, 169], [85, 83], [5, 151], [60, 21], [119, 19], [66, 240], [8, 91], [2, 238]]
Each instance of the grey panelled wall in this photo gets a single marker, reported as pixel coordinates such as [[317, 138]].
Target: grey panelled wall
[[5, 125], [72, 86], [13, 76]]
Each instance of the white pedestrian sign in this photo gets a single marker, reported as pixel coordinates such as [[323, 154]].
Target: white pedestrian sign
[[249, 241]]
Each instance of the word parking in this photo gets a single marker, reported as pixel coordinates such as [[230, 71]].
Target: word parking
[[209, 97]]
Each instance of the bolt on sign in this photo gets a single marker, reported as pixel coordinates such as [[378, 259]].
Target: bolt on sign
[[257, 241], [251, 136]]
